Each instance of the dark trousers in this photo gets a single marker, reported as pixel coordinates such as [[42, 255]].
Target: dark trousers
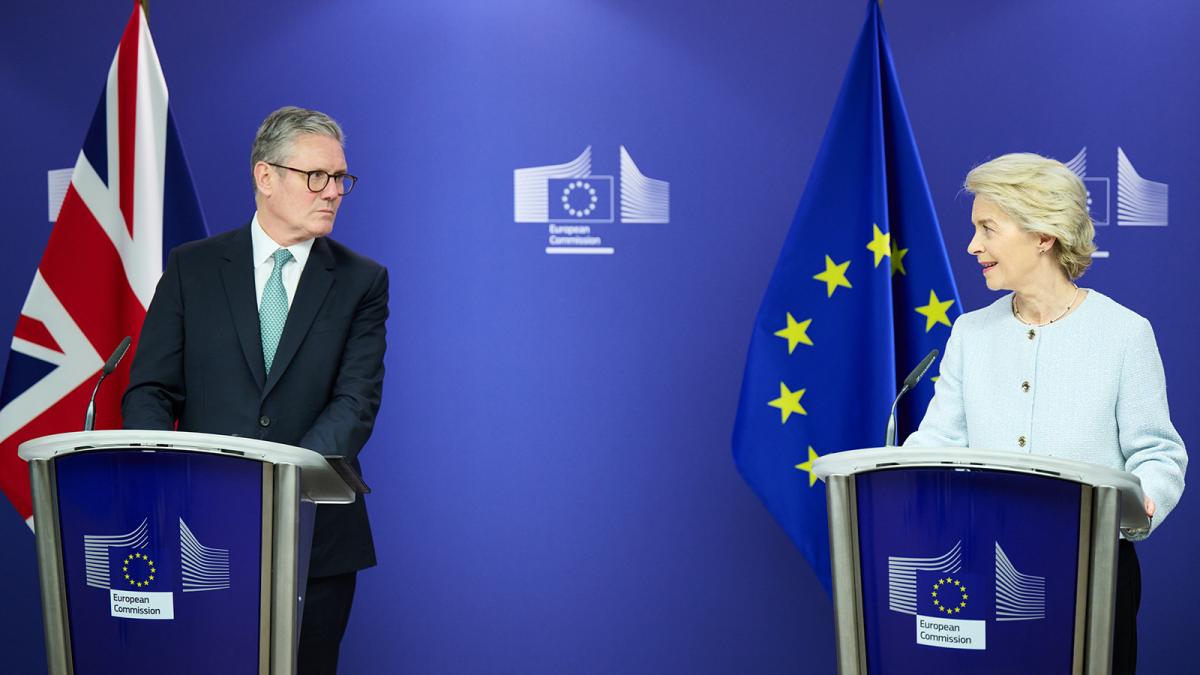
[[326, 612], [1129, 597]]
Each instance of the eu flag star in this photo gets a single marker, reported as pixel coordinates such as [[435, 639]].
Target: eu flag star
[[834, 275], [796, 332], [807, 466], [788, 402], [898, 259], [880, 245], [935, 311]]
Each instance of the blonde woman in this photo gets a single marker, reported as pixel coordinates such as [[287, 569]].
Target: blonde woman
[[1052, 368]]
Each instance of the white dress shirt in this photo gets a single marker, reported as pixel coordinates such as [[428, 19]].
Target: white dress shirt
[[263, 250]]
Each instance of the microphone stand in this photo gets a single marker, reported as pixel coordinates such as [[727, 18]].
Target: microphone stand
[[909, 382], [89, 421]]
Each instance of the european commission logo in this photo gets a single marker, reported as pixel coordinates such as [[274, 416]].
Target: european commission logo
[[950, 604], [125, 565], [1141, 202], [569, 199]]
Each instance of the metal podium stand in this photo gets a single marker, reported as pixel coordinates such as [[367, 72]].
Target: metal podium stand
[[174, 552], [962, 560]]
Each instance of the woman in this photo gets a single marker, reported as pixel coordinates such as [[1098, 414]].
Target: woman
[[1052, 368]]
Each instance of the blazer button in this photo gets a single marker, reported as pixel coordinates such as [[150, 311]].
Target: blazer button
[[1021, 441], [265, 421], [1032, 333], [1025, 386]]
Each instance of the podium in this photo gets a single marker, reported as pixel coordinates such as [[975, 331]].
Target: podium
[[174, 552], [961, 560]]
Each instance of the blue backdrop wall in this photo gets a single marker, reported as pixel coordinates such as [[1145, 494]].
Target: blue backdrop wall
[[554, 487]]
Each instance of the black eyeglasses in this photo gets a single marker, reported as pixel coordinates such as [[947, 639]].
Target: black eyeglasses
[[318, 179]]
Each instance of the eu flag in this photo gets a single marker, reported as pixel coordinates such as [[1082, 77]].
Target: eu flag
[[861, 292]]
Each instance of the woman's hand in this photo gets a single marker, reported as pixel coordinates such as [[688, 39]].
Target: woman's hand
[[1149, 507]]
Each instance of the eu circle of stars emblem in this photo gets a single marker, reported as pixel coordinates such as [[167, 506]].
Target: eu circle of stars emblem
[[143, 570], [952, 600]]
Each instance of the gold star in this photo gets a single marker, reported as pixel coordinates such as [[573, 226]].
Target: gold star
[[834, 275], [126, 576], [807, 466], [880, 245], [898, 258], [788, 402], [151, 578], [795, 333], [935, 311]]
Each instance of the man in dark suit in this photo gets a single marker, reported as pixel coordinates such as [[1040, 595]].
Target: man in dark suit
[[274, 331]]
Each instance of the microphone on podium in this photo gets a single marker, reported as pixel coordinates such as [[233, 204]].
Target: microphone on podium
[[909, 382], [109, 366]]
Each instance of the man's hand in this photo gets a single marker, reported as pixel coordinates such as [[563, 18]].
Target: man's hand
[[1149, 507]]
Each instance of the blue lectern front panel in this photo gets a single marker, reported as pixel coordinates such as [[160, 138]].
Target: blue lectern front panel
[[161, 552], [967, 571]]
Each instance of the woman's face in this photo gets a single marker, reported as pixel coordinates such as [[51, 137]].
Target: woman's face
[[1009, 255]]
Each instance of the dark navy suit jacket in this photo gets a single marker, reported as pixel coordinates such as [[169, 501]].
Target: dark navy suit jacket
[[199, 366]]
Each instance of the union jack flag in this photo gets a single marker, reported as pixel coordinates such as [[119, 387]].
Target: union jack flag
[[130, 200]]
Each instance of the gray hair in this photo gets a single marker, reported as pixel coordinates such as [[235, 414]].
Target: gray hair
[[1044, 197], [277, 133]]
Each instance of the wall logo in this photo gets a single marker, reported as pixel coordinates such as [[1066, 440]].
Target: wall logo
[[938, 593], [136, 589], [570, 200], [1140, 202]]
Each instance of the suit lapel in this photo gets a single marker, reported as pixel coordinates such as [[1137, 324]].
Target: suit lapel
[[238, 278], [314, 285]]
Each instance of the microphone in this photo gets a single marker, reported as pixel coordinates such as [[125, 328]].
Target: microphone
[[909, 382], [110, 365]]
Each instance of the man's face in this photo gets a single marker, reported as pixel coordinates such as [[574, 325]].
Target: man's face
[[290, 212]]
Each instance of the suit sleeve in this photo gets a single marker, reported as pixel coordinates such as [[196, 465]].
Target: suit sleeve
[[1153, 450], [345, 424], [155, 396]]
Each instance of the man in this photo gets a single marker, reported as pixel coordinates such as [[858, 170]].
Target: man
[[274, 331]]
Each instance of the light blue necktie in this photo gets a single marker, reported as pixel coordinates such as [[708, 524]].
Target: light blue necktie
[[273, 310]]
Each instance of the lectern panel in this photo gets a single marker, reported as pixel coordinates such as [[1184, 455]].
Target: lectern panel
[[967, 571], [161, 558]]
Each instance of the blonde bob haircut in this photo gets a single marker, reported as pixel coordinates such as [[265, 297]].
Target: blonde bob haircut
[[1044, 197]]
